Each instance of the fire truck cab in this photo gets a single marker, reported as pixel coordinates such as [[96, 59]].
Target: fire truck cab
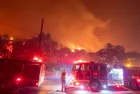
[[96, 76]]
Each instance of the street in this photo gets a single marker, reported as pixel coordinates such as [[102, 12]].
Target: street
[[52, 85], [102, 92]]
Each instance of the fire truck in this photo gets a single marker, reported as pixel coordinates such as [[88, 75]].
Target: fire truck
[[17, 74], [97, 76]]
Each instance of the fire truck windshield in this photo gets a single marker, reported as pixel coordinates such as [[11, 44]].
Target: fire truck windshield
[[76, 67], [81, 67], [84, 67], [81, 71]]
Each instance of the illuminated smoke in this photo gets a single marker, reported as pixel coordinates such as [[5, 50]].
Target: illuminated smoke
[[68, 21], [75, 26]]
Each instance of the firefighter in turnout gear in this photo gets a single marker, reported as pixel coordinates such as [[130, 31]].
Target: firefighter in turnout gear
[[7, 50], [63, 80]]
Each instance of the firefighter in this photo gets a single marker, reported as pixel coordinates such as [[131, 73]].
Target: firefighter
[[63, 80], [7, 50]]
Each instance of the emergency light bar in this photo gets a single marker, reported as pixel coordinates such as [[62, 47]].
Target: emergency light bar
[[36, 59], [80, 61]]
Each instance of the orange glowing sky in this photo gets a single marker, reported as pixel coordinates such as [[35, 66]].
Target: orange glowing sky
[[82, 24]]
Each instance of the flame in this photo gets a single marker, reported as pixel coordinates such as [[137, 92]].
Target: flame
[[72, 50], [11, 38], [75, 47], [79, 48], [70, 23]]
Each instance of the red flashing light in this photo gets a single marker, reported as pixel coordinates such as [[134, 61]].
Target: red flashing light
[[118, 86], [36, 84], [18, 79], [77, 83], [39, 60], [138, 80], [35, 58]]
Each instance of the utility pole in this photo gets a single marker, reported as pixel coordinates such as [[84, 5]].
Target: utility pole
[[40, 35], [61, 55]]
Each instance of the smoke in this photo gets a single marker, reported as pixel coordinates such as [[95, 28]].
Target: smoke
[[75, 26], [68, 21], [72, 24], [123, 28]]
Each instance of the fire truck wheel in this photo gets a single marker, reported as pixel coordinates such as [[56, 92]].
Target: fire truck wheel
[[94, 86]]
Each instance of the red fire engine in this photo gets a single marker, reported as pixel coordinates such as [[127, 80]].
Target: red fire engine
[[98, 76], [18, 74]]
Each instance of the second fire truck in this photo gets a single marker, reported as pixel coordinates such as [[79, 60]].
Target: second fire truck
[[96, 76]]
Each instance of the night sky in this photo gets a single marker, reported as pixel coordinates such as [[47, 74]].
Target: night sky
[[87, 24]]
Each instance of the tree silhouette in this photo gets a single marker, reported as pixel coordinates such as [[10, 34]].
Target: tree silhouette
[[112, 53]]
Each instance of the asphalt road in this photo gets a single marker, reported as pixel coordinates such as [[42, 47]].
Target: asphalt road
[[101, 92], [79, 91], [52, 85]]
